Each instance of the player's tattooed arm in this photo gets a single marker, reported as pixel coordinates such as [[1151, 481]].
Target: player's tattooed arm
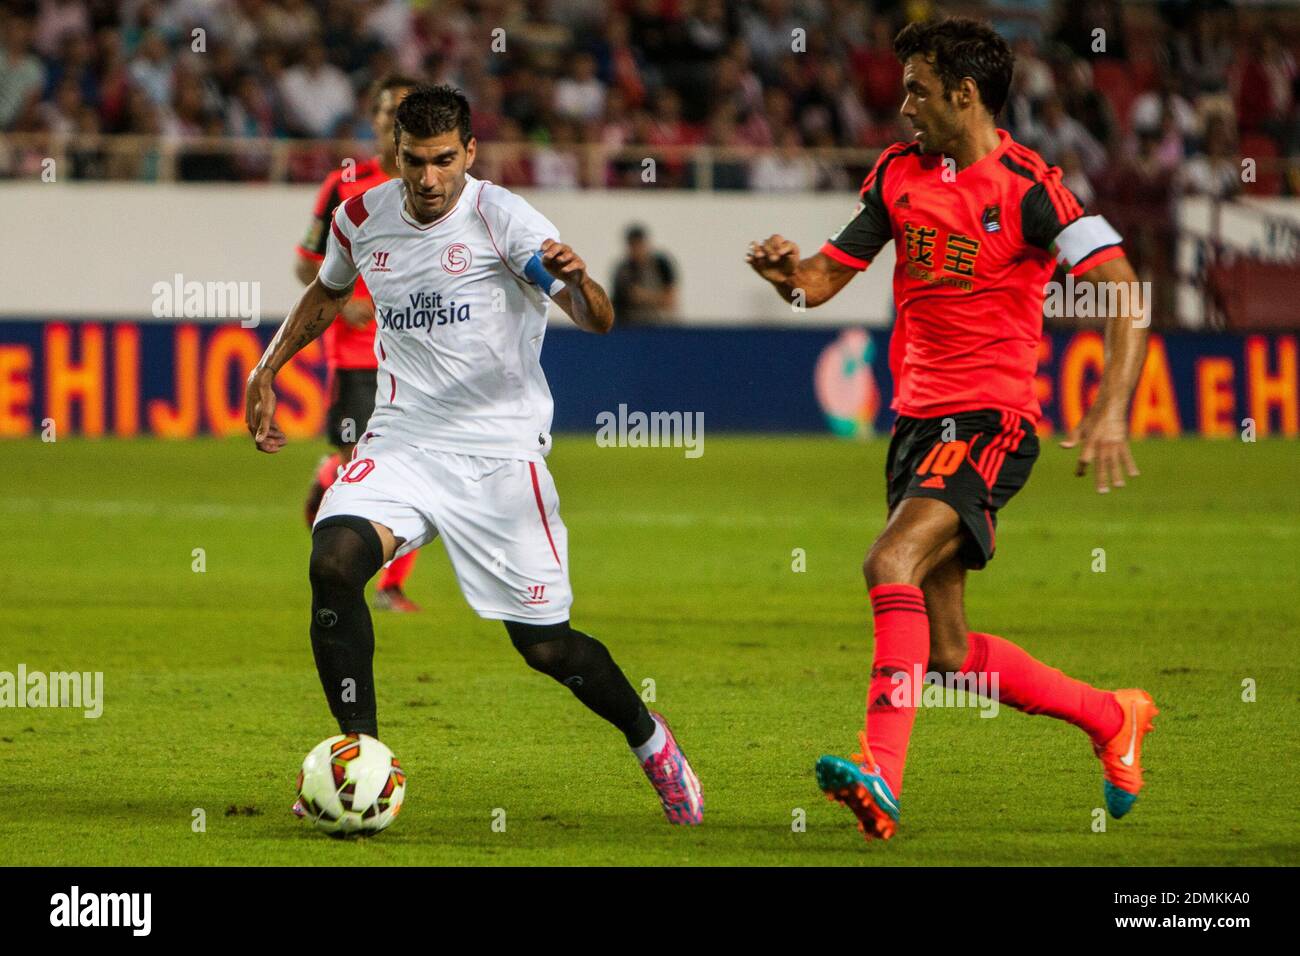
[[1103, 431], [803, 282], [582, 297], [358, 312], [313, 313]]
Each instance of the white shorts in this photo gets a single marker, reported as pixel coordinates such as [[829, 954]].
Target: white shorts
[[499, 519]]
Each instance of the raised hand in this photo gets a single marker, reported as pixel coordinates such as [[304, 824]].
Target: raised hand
[[774, 258], [562, 262]]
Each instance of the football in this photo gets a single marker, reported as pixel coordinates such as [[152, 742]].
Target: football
[[351, 785]]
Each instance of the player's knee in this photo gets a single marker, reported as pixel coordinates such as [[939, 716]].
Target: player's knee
[[890, 562], [343, 556], [544, 647], [555, 650], [329, 570]]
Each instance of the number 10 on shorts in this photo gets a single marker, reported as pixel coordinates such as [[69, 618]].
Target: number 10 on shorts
[[944, 458]]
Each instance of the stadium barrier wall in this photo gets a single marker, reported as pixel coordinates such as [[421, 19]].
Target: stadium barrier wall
[[179, 380], [98, 250]]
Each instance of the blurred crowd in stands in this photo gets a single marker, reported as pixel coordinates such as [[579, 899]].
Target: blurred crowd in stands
[[1135, 101]]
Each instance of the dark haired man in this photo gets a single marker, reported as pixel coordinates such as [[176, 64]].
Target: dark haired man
[[979, 224], [350, 360], [460, 271], [645, 283]]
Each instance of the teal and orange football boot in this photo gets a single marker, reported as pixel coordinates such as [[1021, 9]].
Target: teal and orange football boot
[[860, 786], [1121, 756]]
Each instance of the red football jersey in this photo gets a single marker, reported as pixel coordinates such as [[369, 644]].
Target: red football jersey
[[345, 346], [975, 249]]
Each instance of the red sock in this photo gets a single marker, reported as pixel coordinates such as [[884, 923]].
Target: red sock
[[328, 470], [395, 574], [321, 481], [1031, 686], [902, 632]]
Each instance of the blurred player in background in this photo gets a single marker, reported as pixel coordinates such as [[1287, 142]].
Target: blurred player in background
[[350, 340], [979, 223], [461, 272]]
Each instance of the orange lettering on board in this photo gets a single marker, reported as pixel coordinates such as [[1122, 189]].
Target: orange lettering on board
[[1081, 367], [68, 382], [1155, 406], [15, 390], [238, 346], [1215, 401], [304, 415], [1265, 392], [182, 420], [126, 380]]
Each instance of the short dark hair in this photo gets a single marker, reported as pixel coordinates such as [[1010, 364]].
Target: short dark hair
[[433, 110], [392, 81], [958, 47]]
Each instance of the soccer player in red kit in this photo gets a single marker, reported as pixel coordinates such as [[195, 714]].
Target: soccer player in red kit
[[979, 224], [350, 339]]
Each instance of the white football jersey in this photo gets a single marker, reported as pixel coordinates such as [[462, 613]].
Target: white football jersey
[[460, 310]]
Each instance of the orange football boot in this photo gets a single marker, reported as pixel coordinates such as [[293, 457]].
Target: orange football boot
[[1121, 757]]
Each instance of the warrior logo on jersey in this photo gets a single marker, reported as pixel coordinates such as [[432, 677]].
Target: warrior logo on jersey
[[992, 219], [456, 258]]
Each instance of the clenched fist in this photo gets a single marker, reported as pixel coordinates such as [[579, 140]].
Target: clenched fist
[[774, 258], [562, 262]]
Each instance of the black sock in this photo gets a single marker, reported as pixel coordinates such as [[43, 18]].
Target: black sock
[[345, 554], [584, 665]]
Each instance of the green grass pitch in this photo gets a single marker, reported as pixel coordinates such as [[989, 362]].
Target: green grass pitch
[[684, 568]]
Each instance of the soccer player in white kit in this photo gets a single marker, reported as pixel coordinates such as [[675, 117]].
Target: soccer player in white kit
[[460, 271]]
